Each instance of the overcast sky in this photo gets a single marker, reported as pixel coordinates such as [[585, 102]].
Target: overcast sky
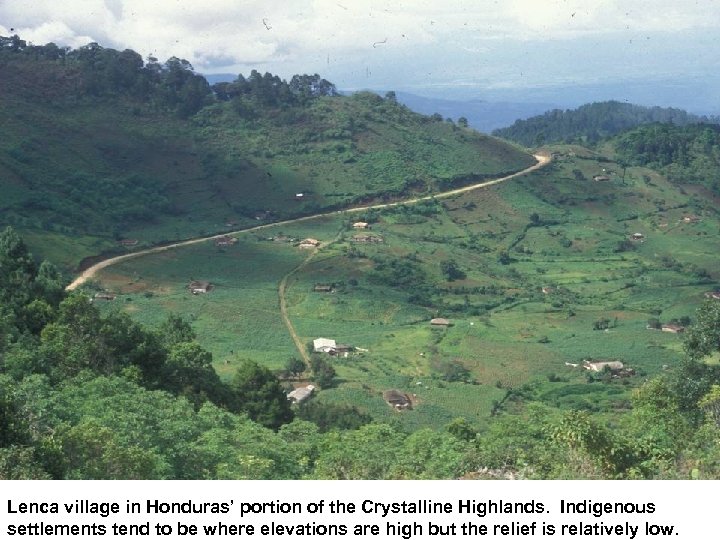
[[432, 47]]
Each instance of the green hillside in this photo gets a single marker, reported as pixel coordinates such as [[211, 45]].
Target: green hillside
[[536, 275], [687, 154], [590, 123], [99, 146]]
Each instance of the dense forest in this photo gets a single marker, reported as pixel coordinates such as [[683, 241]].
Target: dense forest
[[685, 154], [84, 395], [591, 123]]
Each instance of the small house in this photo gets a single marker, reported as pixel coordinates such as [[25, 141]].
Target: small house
[[299, 196], [601, 365], [690, 218], [301, 394], [324, 287], [713, 295], [601, 178], [225, 241], [104, 296], [672, 328], [199, 287], [324, 345], [342, 348], [361, 225], [547, 290], [439, 322], [129, 242], [309, 243], [637, 237], [397, 400]]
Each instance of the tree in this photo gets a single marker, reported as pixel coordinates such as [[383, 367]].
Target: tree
[[188, 371], [175, 330], [451, 270], [504, 258], [462, 429], [703, 338], [322, 372], [258, 393], [462, 122], [294, 366]]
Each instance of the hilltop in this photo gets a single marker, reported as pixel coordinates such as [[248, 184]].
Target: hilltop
[[592, 122], [100, 146]]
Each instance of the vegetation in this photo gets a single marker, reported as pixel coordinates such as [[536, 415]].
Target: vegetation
[[539, 277], [85, 396], [519, 321], [685, 154], [591, 123], [100, 145]]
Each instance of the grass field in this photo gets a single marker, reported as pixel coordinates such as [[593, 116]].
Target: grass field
[[545, 259]]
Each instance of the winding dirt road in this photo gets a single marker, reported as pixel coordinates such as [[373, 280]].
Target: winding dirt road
[[90, 272]]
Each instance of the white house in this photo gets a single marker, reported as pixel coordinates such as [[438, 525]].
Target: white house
[[301, 394], [324, 345]]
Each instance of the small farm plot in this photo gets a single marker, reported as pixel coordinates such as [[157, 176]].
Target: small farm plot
[[238, 318]]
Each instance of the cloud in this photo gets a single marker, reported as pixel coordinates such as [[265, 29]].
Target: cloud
[[375, 42]]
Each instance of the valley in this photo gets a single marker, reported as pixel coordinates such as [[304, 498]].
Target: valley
[[543, 261]]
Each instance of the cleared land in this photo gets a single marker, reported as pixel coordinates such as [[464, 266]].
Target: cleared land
[[553, 229]]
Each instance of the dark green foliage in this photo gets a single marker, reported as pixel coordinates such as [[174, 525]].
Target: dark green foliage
[[322, 372], [462, 429], [685, 154], [294, 366], [175, 330], [703, 338], [400, 273], [328, 417], [453, 371], [601, 324], [590, 123], [451, 270], [258, 393], [188, 371]]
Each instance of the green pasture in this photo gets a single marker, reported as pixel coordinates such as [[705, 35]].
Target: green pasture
[[506, 333]]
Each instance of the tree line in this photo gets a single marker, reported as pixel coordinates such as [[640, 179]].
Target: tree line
[[592, 122], [99, 71]]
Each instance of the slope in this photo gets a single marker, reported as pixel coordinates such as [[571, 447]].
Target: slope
[[99, 146], [591, 122]]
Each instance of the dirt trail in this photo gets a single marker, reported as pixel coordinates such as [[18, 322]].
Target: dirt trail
[[90, 272], [282, 289]]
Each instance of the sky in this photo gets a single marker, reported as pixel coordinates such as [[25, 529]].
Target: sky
[[483, 49]]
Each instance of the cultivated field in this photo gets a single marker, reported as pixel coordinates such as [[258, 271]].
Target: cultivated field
[[546, 275]]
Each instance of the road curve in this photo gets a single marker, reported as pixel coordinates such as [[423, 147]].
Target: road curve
[[91, 271]]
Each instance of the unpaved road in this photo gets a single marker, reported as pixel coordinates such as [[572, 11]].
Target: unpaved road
[[90, 272]]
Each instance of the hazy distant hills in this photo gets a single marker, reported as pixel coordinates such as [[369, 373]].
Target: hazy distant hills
[[482, 115]]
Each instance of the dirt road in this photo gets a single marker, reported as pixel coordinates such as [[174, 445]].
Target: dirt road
[[90, 272]]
